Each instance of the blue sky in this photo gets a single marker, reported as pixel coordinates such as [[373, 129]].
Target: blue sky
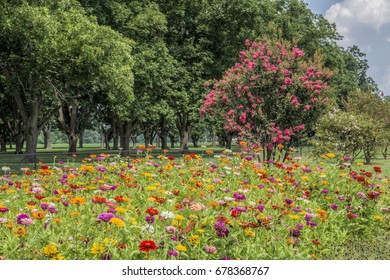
[[366, 24]]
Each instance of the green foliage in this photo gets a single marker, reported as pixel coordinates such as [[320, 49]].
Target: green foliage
[[345, 134], [362, 128]]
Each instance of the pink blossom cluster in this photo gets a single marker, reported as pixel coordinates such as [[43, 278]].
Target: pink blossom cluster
[[272, 93]]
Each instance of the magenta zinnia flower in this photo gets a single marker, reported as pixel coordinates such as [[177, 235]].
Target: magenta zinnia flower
[[106, 216], [295, 232], [173, 253], [24, 219], [221, 229], [3, 209], [239, 196]]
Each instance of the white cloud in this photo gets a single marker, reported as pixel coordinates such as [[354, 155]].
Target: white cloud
[[386, 80], [374, 13], [366, 23]]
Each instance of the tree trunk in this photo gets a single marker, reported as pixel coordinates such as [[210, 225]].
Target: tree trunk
[[184, 133], [184, 137], [125, 143], [229, 139], [213, 134], [115, 136], [3, 144], [18, 144], [31, 137], [73, 138], [164, 144], [134, 141], [116, 143], [47, 137], [102, 136], [72, 129], [384, 152], [172, 140], [81, 140], [158, 142], [195, 141]]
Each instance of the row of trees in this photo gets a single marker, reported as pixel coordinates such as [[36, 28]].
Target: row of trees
[[139, 67]]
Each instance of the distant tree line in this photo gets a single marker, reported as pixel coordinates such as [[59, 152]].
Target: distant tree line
[[130, 68]]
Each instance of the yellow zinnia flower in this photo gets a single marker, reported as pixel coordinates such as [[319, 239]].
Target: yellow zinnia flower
[[50, 250], [181, 248], [97, 248], [195, 239], [118, 222]]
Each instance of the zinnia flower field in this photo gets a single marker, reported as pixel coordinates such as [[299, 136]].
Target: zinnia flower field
[[225, 206]]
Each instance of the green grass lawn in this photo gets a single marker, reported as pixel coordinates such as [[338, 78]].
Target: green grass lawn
[[59, 153]]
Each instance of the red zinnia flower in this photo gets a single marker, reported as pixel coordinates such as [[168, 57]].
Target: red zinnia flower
[[234, 213], [170, 157], [44, 167], [377, 169], [147, 245], [152, 211], [360, 178], [99, 199], [316, 242]]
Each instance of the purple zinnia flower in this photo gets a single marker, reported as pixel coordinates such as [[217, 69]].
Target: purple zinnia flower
[[149, 219], [106, 216], [239, 196], [341, 198], [24, 219], [101, 169], [361, 195], [221, 229], [65, 203], [260, 207], [173, 253], [334, 206], [300, 226], [3, 209], [308, 216], [325, 191], [295, 232], [52, 210], [313, 224], [44, 206], [288, 201], [297, 210]]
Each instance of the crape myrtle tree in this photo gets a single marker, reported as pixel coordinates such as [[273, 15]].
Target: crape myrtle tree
[[271, 97]]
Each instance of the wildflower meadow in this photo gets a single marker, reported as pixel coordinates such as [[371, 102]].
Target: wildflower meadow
[[207, 207]]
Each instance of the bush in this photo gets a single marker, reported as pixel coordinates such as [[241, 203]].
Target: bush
[[349, 134]]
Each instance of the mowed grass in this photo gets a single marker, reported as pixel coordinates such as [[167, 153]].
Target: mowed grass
[[59, 152]]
